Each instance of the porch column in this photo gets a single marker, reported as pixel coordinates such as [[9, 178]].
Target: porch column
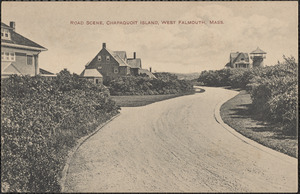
[[36, 64]]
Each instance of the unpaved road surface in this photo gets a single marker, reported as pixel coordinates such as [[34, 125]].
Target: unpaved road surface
[[176, 146]]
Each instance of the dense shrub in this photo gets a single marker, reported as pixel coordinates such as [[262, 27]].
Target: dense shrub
[[275, 94], [236, 78], [40, 121], [210, 78], [165, 83]]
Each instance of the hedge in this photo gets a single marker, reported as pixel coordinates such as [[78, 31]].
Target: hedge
[[40, 122], [166, 83]]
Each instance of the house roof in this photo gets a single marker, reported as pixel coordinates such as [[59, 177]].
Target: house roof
[[147, 72], [91, 73], [258, 51], [87, 64], [235, 56], [5, 26], [121, 54], [228, 65], [118, 57], [135, 63], [19, 40], [45, 72]]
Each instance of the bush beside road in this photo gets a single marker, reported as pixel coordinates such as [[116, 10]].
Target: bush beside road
[[41, 120]]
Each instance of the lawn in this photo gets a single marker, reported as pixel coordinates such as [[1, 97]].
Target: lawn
[[134, 101], [237, 113]]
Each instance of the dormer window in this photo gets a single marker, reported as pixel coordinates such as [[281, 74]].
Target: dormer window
[[107, 58], [5, 34], [242, 59], [99, 58]]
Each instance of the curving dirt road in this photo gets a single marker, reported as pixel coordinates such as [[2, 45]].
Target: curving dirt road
[[176, 146]]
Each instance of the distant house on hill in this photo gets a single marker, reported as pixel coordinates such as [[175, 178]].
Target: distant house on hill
[[241, 60], [19, 55], [238, 60], [112, 64]]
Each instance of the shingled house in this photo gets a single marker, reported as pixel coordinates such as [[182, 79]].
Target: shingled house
[[19, 55], [111, 64], [238, 60]]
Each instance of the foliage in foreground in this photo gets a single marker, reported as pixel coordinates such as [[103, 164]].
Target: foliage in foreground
[[40, 122], [273, 89]]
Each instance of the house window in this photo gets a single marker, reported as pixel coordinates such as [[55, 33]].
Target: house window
[[242, 59], [99, 58], [29, 60], [5, 33], [116, 70], [7, 56], [107, 58], [99, 67], [12, 56], [97, 81]]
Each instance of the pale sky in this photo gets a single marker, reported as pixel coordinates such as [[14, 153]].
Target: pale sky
[[181, 48]]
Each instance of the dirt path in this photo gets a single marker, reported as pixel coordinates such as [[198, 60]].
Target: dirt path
[[175, 146]]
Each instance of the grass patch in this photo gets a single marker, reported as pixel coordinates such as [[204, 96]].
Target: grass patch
[[134, 101], [237, 113], [137, 100]]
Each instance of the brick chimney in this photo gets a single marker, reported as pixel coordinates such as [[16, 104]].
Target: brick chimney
[[150, 69], [104, 45], [12, 25], [134, 55]]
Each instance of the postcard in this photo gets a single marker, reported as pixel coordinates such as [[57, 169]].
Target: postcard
[[149, 96]]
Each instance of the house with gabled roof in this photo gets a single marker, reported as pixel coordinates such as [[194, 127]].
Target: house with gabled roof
[[238, 60], [19, 55], [111, 64]]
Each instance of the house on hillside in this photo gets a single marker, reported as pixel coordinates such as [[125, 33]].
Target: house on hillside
[[19, 55], [111, 64], [241, 60], [238, 60]]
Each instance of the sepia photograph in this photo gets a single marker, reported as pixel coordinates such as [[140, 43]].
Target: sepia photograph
[[149, 96]]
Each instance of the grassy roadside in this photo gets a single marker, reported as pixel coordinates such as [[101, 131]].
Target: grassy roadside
[[237, 113], [134, 101]]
